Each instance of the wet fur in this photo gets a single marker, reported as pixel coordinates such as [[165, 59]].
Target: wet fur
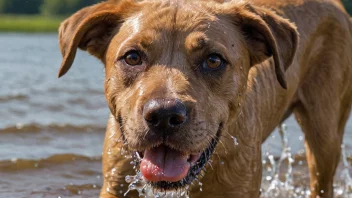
[[270, 74]]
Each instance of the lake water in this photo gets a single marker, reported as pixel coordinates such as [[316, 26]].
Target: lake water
[[52, 130]]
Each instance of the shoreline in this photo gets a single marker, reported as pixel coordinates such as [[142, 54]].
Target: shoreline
[[29, 24]]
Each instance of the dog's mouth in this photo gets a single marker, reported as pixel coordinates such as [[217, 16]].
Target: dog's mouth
[[163, 163], [168, 169]]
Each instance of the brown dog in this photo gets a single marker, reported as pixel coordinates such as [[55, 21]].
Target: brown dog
[[183, 76]]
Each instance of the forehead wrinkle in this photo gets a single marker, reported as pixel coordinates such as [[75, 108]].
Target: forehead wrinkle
[[196, 41]]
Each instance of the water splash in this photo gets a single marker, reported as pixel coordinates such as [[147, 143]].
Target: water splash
[[278, 188], [280, 183], [344, 188], [235, 141], [144, 189]]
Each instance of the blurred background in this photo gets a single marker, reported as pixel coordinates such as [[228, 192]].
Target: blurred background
[[45, 15], [37, 15], [52, 130]]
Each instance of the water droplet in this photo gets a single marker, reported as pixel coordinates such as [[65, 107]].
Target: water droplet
[[19, 126], [301, 138], [235, 140], [301, 152], [128, 179]]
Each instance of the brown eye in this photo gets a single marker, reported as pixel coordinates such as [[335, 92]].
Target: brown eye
[[133, 58], [213, 62]]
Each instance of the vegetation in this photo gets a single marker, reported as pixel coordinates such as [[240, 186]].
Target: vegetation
[[20, 6], [45, 7], [37, 15], [64, 7], [348, 5], [45, 15], [29, 23]]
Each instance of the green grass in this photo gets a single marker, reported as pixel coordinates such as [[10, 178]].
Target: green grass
[[27, 23]]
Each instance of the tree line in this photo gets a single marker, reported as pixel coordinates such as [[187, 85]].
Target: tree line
[[45, 7], [348, 5], [63, 7]]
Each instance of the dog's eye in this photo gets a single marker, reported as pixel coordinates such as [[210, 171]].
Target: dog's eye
[[213, 62], [133, 58]]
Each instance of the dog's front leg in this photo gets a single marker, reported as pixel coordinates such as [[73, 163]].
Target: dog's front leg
[[115, 165]]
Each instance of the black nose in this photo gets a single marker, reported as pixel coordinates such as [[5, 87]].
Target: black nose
[[164, 113]]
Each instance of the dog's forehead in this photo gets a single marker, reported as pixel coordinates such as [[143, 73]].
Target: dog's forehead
[[192, 23], [173, 16], [172, 33]]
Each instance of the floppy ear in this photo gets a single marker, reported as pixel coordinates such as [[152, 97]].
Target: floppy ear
[[267, 34], [90, 29]]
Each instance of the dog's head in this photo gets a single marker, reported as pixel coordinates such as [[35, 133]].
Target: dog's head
[[176, 71]]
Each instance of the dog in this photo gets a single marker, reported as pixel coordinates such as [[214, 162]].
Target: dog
[[185, 78]]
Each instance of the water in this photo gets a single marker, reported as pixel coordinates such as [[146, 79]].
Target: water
[[278, 187], [52, 130], [280, 183]]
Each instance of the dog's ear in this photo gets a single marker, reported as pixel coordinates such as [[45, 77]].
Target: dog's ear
[[267, 34], [89, 29]]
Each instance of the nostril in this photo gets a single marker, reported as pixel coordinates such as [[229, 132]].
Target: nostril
[[177, 120], [151, 118]]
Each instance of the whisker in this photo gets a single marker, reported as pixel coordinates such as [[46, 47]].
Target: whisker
[[146, 133]]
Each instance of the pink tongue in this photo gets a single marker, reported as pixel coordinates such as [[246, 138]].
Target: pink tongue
[[164, 164]]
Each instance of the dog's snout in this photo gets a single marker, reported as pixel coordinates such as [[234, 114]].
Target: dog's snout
[[164, 113]]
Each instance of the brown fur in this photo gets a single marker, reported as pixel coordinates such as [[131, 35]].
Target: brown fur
[[248, 99]]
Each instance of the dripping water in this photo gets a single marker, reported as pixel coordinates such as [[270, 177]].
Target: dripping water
[[277, 187], [344, 188], [144, 189], [280, 182]]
